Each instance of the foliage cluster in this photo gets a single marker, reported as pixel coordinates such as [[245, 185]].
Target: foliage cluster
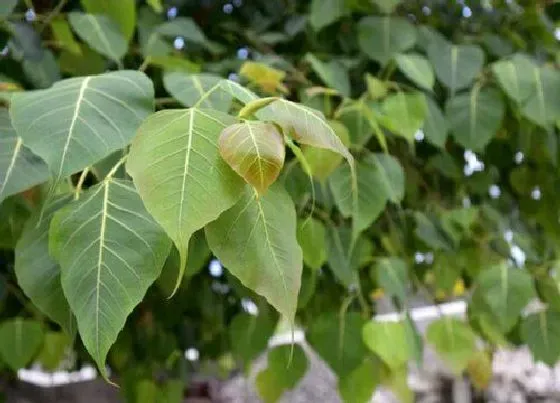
[[357, 150]]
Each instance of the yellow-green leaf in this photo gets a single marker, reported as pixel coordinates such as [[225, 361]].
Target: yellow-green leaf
[[255, 150]]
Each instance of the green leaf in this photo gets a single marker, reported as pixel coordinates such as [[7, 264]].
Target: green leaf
[[311, 235], [346, 258], [54, 348], [417, 68], [431, 234], [543, 106], [249, 335], [122, 12], [333, 73], [392, 275], [338, 340], [186, 184], [286, 367], [100, 33], [391, 175], [63, 35], [377, 89], [388, 340], [454, 341], [20, 341], [256, 241], [20, 169], [354, 115], [44, 72], [404, 113], [435, 125], [325, 12], [184, 27], [190, 88], [512, 75], [255, 150], [541, 332], [86, 63], [323, 162], [38, 274], [110, 251], [372, 190], [455, 66], [359, 385], [506, 291], [381, 38], [101, 111], [474, 118]]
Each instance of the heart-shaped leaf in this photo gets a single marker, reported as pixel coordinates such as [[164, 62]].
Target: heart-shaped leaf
[[100, 33], [178, 171], [404, 113], [20, 341], [435, 125], [454, 340], [122, 12], [541, 332], [417, 69], [514, 76], [388, 340], [333, 73], [110, 251], [383, 37], [101, 111], [456, 66], [256, 241], [543, 106], [474, 118], [255, 150]]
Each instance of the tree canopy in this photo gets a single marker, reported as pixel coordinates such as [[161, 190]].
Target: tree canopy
[[192, 176]]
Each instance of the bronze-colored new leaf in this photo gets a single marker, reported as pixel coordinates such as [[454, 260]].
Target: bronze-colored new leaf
[[255, 150]]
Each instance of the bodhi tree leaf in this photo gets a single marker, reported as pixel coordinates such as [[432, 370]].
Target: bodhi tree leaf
[[256, 241], [255, 150], [100, 33], [55, 345], [404, 113], [541, 332], [37, 273], [333, 73], [383, 37], [20, 341], [455, 66], [122, 12], [388, 340], [249, 335], [391, 175], [359, 385], [435, 125], [184, 27], [20, 169], [506, 291], [311, 235], [474, 118], [346, 258], [392, 275], [338, 340], [371, 201], [417, 69], [177, 169], [286, 366], [454, 340], [101, 111], [190, 88], [110, 251], [325, 12], [512, 75], [322, 163]]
